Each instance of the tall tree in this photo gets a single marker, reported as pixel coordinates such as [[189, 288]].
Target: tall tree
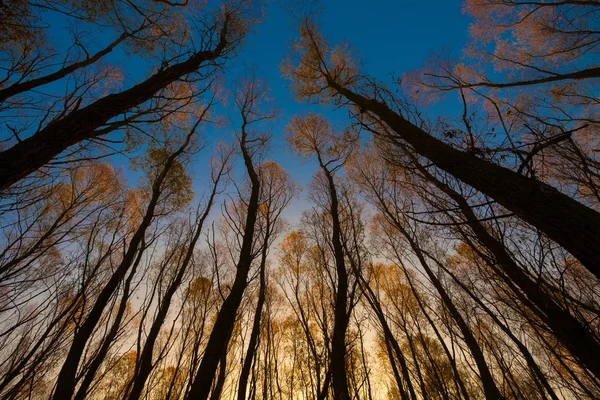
[[248, 100], [165, 178], [277, 191], [313, 137], [77, 124], [323, 73], [144, 363]]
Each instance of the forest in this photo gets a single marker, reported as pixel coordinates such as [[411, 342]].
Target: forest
[[176, 223]]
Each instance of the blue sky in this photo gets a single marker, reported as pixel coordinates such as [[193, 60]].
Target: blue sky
[[391, 36]]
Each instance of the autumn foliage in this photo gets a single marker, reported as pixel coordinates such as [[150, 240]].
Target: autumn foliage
[[152, 244]]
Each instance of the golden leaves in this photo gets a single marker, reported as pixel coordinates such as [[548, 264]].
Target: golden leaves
[[312, 135], [293, 249], [177, 185], [313, 65], [199, 288]]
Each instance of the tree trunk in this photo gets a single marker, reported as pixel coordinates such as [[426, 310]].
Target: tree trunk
[[569, 331], [145, 366], [99, 358], [254, 335], [65, 383], [392, 344], [223, 327], [21, 87], [340, 325], [34, 152], [216, 393], [568, 222], [489, 386]]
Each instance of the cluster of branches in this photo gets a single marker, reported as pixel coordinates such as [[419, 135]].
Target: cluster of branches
[[436, 261], [494, 239]]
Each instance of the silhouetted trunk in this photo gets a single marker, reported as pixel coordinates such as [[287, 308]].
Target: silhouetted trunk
[[489, 386], [569, 331], [34, 152], [457, 377], [569, 76], [100, 356], [254, 335], [392, 359], [436, 374], [322, 394], [341, 317], [416, 362], [574, 374], [394, 350], [33, 357], [65, 383], [538, 375], [216, 393], [223, 326], [144, 365], [20, 87], [321, 389], [363, 356], [568, 222], [397, 354]]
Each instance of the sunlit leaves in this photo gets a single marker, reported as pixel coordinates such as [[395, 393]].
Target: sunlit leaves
[[312, 136], [177, 186], [314, 65]]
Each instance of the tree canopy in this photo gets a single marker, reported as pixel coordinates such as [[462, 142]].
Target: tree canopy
[[173, 227]]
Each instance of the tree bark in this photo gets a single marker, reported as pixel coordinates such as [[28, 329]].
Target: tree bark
[[489, 386], [99, 358], [569, 331], [569, 223], [577, 75], [145, 366], [339, 380], [65, 383], [223, 327], [21, 87], [255, 334], [34, 152]]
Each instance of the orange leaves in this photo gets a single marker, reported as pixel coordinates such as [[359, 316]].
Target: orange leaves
[[464, 259], [483, 11], [308, 134], [177, 185], [313, 65], [313, 136], [98, 179], [525, 32], [342, 65], [276, 187], [134, 207], [182, 108], [200, 288], [293, 250], [304, 67], [391, 280], [88, 185]]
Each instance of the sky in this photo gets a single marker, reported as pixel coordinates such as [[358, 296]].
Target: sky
[[390, 36]]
